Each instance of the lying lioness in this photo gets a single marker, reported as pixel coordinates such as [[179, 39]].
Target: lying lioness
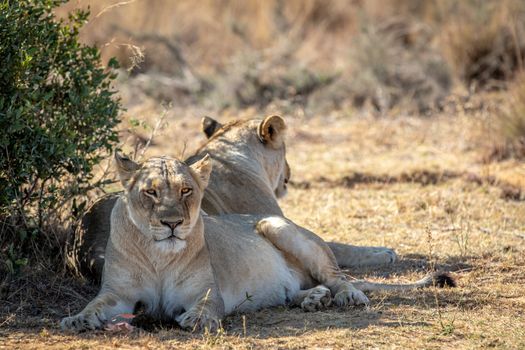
[[194, 268], [250, 173]]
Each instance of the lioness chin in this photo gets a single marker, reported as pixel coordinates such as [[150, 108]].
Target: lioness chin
[[194, 268]]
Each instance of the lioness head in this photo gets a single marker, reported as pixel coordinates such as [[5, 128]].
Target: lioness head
[[267, 136], [164, 197]]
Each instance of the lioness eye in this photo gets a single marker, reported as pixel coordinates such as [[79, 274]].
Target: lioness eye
[[151, 192], [185, 191]]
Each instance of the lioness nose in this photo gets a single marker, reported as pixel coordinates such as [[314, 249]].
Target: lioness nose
[[172, 224]]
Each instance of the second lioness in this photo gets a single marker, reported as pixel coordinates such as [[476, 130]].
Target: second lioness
[[250, 174]]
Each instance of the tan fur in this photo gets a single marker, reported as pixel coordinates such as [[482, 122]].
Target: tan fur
[[250, 174], [194, 268]]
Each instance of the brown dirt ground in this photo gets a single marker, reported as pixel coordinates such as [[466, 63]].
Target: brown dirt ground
[[414, 184]]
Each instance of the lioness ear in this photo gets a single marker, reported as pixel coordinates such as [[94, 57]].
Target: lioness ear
[[209, 126], [125, 168], [202, 169], [272, 131]]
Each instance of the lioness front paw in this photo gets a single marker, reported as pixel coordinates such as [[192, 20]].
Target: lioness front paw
[[351, 297], [81, 322], [198, 321], [317, 298]]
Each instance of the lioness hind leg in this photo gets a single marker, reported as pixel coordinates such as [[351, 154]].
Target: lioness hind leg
[[314, 255], [313, 299], [354, 256]]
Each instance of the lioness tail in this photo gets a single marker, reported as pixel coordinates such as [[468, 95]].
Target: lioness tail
[[438, 279]]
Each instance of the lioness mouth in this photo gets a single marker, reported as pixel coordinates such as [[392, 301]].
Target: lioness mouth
[[171, 237]]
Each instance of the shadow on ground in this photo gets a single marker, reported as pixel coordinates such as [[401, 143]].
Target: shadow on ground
[[414, 263], [39, 300], [33, 305]]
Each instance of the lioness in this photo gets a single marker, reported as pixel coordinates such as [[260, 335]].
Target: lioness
[[194, 268], [250, 174]]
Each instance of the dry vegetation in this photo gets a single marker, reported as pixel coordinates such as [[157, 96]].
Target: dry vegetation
[[406, 129]]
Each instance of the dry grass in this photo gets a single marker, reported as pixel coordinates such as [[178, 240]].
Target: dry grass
[[474, 232], [211, 32], [485, 43], [394, 58], [391, 65], [233, 54], [508, 124]]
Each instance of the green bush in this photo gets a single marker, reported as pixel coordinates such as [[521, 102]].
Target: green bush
[[57, 117]]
